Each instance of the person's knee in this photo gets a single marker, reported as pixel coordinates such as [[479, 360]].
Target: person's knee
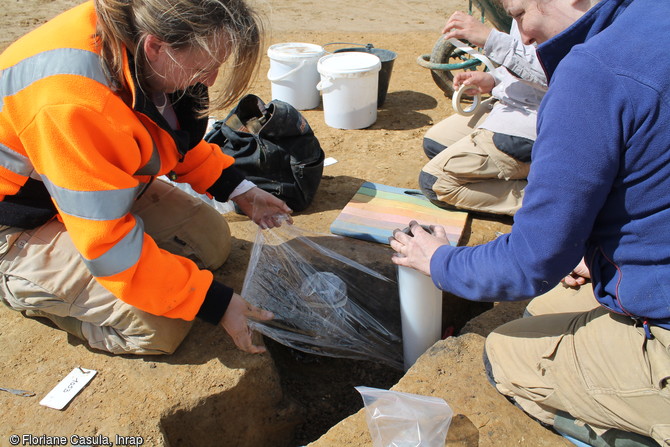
[[488, 369], [207, 237], [426, 184], [494, 349], [158, 344], [221, 232], [184, 225], [490, 352], [431, 147]]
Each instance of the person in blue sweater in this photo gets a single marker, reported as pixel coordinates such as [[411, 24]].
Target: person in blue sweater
[[598, 189]]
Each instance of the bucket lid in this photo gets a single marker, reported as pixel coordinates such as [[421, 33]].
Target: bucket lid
[[384, 55], [348, 63], [291, 51]]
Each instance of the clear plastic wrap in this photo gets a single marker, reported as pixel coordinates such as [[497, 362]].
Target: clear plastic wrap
[[323, 302]]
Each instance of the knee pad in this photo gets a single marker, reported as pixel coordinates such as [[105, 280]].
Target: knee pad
[[426, 182], [488, 369], [431, 147]]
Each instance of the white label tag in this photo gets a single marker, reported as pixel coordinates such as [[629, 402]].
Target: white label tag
[[67, 388]]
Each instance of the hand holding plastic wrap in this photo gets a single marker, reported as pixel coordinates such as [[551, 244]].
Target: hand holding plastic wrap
[[398, 419], [323, 302]]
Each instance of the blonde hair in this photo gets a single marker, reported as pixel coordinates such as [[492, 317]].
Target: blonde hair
[[198, 24]]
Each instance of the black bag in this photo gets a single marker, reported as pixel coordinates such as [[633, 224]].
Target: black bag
[[275, 148]]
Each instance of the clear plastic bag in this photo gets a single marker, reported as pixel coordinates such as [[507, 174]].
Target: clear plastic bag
[[323, 302], [222, 207], [398, 419]]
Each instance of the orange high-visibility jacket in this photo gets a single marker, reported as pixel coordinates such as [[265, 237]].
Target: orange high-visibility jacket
[[67, 139]]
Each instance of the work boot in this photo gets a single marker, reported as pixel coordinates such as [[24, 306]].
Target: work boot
[[68, 324], [583, 436]]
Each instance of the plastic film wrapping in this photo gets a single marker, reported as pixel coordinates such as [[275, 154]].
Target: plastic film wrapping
[[324, 303]]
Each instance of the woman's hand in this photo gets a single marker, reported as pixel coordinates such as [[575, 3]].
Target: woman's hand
[[266, 210], [480, 81], [415, 251], [579, 276], [235, 323], [464, 26]]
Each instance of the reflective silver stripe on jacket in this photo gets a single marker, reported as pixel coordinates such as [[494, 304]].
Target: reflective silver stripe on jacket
[[93, 205], [50, 63], [121, 256], [153, 165], [15, 162], [28, 71], [61, 61]]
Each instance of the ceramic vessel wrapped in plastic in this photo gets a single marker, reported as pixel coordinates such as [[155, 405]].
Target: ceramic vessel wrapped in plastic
[[323, 302]]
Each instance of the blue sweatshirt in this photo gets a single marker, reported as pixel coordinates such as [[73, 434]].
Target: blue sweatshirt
[[599, 185]]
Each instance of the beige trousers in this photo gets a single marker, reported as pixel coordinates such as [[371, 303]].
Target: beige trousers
[[40, 270], [455, 127], [471, 173], [577, 357]]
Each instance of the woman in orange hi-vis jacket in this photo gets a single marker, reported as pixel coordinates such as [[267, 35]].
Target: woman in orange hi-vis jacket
[[94, 105]]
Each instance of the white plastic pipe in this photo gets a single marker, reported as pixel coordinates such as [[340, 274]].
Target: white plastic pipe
[[420, 313]]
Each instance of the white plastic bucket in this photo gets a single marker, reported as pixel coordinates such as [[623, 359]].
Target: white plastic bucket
[[420, 313], [348, 85], [293, 73]]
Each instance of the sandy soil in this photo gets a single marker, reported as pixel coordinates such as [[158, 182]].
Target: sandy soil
[[388, 152]]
